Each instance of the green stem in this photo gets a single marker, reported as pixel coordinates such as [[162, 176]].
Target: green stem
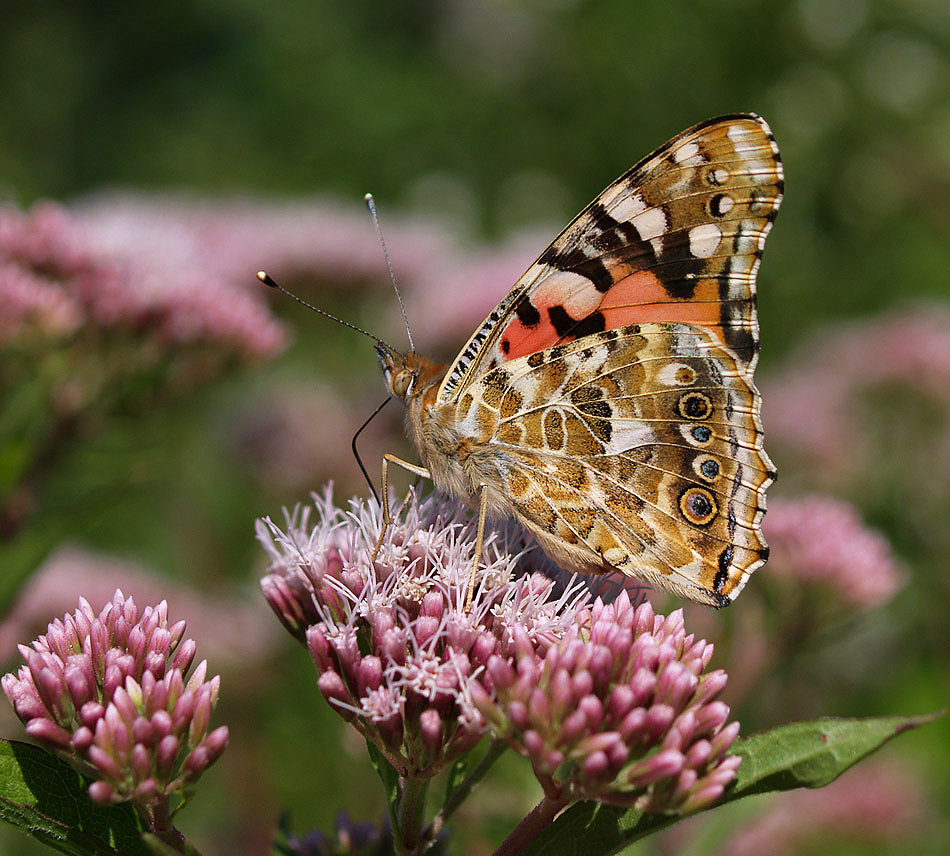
[[158, 817], [463, 789], [409, 815], [526, 831]]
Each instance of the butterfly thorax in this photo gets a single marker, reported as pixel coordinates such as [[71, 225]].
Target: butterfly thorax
[[458, 461]]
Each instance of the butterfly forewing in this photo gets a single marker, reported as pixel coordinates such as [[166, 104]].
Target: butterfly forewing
[[678, 237]]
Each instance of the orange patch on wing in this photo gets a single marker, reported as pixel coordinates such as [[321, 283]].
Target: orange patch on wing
[[578, 298], [641, 297], [523, 340], [637, 298]]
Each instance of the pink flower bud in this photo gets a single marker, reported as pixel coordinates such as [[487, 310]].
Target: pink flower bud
[[48, 732], [102, 792], [333, 689], [430, 729], [166, 754], [370, 674], [596, 767], [106, 765], [573, 728]]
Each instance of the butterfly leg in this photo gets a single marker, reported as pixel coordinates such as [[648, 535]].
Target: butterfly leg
[[388, 459], [479, 539]]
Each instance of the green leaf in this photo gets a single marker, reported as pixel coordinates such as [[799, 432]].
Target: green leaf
[[456, 776], [46, 798], [797, 755]]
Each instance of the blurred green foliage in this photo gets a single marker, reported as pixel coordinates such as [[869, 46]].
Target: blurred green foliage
[[496, 114], [489, 98]]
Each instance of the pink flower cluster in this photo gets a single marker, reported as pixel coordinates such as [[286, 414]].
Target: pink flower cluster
[[617, 709], [110, 691], [392, 640], [58, 272], [609, 701], [819, 541]]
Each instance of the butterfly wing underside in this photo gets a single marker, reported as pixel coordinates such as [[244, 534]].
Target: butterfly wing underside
[[615, 378]]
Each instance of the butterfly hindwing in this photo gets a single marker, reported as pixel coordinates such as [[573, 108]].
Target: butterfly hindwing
[[638, 450]]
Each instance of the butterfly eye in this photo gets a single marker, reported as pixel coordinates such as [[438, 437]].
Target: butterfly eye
[[403, 382]]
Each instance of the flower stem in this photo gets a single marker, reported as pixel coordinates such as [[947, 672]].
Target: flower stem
[[526, 831], [409, 815], [463, 789]]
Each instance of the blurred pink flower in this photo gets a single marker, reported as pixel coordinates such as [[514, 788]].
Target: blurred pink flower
[[293, 433], [30, 300], [821, 542], [130, 278], [815, 405], [878, 801], [235, 237], [237, 635]]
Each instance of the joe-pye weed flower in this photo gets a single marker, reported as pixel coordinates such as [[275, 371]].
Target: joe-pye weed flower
[[608, 701], [111, 692]]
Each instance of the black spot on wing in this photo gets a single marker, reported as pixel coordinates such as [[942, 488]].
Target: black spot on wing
[[725, 560], [564, 325], [527, 313], [593, 323]]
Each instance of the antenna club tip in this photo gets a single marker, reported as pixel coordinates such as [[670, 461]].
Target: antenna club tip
[[367, 197], [264, 277]]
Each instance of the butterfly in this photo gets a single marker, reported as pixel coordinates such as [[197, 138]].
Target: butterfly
[[607, 402]]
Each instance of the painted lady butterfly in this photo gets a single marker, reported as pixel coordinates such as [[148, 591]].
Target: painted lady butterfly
[[607, 402]]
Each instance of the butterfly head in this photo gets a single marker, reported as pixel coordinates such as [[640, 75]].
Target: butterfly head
[[406, 373]]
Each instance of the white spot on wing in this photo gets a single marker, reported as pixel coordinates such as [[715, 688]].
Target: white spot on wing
[[693, 569], [726, 204], [627, 208], [704, 239], [529, 386], [687, 154], [668, 374], [738, 132], [650, 224], [759, 172], [626, 434]]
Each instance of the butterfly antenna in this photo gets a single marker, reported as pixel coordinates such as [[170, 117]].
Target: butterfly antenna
[[266, 278], [371, 204]]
